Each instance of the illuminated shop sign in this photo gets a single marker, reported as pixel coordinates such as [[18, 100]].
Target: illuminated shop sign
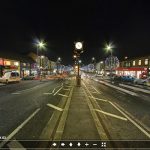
[[7, 63], [1, 62], [16, 63]]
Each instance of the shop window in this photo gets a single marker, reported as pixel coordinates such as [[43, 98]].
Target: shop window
[[134, 63], [139, 62], [146, 61], [16, 63], [7, 63]]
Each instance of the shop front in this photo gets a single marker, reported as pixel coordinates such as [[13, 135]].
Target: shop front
[[9, 65], [28, 69], [138, 72], [1, 66]]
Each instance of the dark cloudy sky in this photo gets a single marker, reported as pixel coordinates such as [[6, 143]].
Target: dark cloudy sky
[[126, 23]]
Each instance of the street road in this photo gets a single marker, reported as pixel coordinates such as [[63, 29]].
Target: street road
[[135, 107], [58, 110]]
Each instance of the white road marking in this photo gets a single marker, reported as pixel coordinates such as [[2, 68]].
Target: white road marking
[[136, 88], [15, 145], [18, 128], [131, 120], [110, 114], [63, 95], [96, 90], [47, 93], [58, 90], [53, 90], [104, 100], [121, 92], [99, 127], [55, 107], [62, 122], [57, 87], [121, 89], [139, 122], [16, 93]]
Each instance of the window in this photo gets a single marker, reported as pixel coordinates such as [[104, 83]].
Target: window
[[17, 74], [13, 74], [134, 63], [146, 61], [139, 62]]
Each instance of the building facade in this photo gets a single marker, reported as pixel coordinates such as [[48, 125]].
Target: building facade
[[137, 67], [9, 65]]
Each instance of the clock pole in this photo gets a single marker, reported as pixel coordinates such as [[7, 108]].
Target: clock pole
[[78, 51]]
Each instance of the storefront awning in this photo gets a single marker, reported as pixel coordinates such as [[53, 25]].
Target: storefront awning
[[131, 69]]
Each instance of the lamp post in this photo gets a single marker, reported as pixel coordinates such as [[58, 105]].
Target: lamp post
[[101, 63], [58, 62], [93, 61], [78, 51], [109, 48], [40, 45]]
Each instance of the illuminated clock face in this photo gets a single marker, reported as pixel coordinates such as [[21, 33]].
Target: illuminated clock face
[[78, 45]]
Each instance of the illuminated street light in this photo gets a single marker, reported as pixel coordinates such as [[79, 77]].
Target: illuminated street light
[[93, 58], [74, 56], [93, 62], [58, 63], [80, 61], [59, 59], [40, 45], [109, 47]]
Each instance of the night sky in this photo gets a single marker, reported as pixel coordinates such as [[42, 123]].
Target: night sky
[[126, 23]]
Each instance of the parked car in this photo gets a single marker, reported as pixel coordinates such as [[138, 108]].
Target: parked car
[[29, 77], [117, 78], [143, 81], [10, 76], [147, 81], [127, 79]]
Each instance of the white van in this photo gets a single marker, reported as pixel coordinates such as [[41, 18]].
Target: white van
[[10, 76]]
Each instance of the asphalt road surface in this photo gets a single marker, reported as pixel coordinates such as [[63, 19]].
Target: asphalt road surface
[[58, 110]]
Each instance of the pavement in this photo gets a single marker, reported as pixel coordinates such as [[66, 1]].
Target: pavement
[[79, 124]]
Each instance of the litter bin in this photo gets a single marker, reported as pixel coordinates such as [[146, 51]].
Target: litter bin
[[78, 80]]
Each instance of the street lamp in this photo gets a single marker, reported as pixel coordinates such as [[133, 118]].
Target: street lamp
[[80, 61], [39, 45], [74, 56], [93, 61], [58, 62], [109, 47]]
